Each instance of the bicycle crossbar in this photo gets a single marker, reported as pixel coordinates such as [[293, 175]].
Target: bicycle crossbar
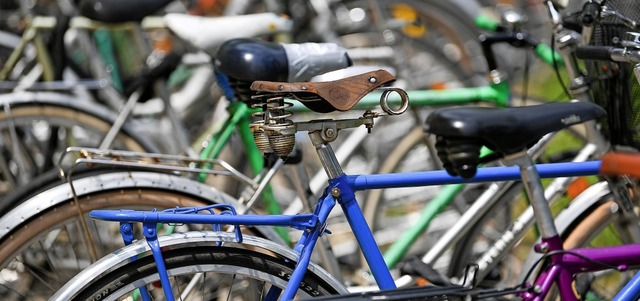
[[357, 182], [486, 174]]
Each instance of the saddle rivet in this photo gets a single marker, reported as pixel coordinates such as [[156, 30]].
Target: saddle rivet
[[304, 88], [280, 87], [373, 80]]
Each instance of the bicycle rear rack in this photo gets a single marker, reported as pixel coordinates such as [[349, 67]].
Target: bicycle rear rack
[[150, 161]]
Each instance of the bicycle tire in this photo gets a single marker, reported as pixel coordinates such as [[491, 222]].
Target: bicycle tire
[[185, 253], [27, 246], [36, 128], [453, 31], [207, 259], [442, 49]]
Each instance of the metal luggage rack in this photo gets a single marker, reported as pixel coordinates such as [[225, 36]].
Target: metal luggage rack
[[150, 161]]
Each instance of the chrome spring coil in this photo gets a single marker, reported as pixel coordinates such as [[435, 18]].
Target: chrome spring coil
[[273, 121]]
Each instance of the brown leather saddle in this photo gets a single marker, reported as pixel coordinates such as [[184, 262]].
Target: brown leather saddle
[[325, 97]]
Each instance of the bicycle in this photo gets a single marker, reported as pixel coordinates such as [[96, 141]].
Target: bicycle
[[138, 183], [341, 190], [56, 119], [485, 92]]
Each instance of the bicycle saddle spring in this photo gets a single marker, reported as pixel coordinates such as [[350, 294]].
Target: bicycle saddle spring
[[274, 132]]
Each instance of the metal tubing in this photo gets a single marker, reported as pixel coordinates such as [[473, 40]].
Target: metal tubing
[[467, 220], [535, 192], [362, 232], [306, 245], [152, 240], [486, 174], [319, 180], [327, 157], [569, 264], [328, 260], [301, 221], [122, 117], [495, 93], [631, 291]]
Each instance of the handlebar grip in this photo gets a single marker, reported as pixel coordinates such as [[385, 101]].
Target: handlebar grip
[[601, 53], [548, 55], [485, 23]]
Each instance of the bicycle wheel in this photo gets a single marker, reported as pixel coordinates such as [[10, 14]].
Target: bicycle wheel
[[36, 128], [446, 31], [225, 273], [52, 243], [234, 271], [434, 44]]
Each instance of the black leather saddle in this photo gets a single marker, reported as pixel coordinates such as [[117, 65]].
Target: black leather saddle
[[461, 132], [116, 11]]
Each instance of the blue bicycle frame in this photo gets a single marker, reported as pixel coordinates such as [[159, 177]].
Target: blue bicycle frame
[[341, 189], [631, 291]]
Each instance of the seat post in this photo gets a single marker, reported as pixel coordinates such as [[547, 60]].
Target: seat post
[[325, 153], [535, 193]]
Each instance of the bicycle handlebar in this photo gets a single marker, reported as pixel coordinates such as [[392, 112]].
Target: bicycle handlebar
[[520, 39], [608, 53]]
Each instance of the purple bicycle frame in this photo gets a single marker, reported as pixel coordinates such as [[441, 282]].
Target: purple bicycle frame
[[567, 263]]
